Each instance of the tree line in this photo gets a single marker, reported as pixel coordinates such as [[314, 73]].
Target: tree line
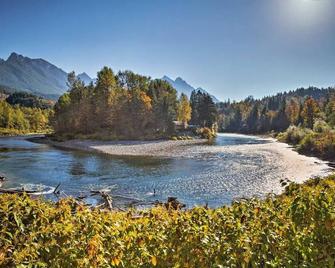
[[16, 119], [301, 107], [122, 106]]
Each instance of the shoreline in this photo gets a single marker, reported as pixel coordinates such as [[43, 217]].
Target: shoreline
[[150, 148], [291, 163], [276, 160]]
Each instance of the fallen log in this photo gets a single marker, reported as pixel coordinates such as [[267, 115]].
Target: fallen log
[[173, 203], [18, 191], [24, 191], [108, 200]]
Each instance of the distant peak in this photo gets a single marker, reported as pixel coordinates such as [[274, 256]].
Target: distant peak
[[165, 77], [16, 57], [179, 79], [84, 75], [13, 55]]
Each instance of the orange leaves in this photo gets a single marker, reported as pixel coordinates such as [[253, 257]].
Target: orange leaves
[[146, 100]]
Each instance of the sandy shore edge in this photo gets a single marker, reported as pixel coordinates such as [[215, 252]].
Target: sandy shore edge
[[158, 148]]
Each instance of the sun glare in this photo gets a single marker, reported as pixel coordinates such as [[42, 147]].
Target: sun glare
[[302, 14]]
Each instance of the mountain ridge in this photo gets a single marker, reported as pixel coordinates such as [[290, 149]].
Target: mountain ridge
[[183, 87], [40, 77]]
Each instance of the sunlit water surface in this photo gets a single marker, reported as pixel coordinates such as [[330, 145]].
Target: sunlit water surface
[[215, 177]]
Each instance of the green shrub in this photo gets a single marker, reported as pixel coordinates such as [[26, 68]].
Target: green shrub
[[320, 126], [307, 143], [293, 135], [296, 229]]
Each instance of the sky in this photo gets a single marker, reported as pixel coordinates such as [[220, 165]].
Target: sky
[[232, 48]]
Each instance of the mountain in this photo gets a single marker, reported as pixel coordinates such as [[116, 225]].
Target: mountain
[[85, 78], [32, 75], [36, 76], [40, 77], [183, 87]]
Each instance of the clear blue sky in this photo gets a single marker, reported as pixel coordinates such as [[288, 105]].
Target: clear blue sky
[[233, 48]]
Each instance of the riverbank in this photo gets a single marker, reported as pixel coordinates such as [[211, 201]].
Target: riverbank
[[158, 148], [7, 132], [290, 164]]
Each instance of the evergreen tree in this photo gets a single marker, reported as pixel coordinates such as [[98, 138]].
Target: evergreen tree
[[252, 120], [280, 121]]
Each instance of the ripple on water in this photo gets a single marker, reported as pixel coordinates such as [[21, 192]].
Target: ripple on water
[[235, 166]]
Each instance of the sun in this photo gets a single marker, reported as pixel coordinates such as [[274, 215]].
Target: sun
[[302, 14]]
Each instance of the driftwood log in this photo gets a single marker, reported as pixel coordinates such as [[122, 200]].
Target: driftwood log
[[108, 200], [17, 191], [24, 191], [173, 203]]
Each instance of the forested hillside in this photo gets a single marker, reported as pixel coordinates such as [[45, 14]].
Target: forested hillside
[[276, 113], [125, 106]]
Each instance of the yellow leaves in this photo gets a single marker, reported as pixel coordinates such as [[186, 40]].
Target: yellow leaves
[[93, 246], [256, 210], [146, 100], [184, 109], [196, 237], [153, 260], [115, 261]]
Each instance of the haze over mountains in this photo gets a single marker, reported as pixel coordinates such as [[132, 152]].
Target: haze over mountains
[[183, 87], [37, 76], [43, 78]]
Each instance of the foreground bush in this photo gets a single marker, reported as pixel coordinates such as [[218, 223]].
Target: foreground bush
[[296, 229]]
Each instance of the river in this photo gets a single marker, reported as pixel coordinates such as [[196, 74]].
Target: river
[[235, 166]]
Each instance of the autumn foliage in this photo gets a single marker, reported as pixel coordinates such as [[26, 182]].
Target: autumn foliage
[[296, 229]]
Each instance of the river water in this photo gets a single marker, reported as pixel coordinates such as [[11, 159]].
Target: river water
[[234, 166]]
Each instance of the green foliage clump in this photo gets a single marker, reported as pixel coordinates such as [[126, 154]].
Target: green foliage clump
[[293, 135], [320, 142], [320, 126], [295, 229], [16, 119], [122, 106], [203, 109], [25, 99]]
